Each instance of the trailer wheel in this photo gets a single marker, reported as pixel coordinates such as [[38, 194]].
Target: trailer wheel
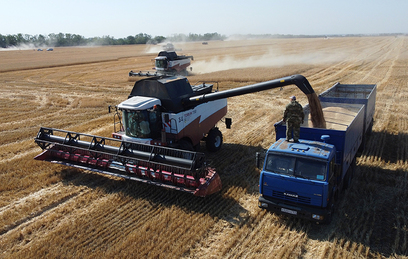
[[214, 140]]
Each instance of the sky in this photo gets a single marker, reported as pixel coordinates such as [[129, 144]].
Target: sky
[[121, 18]]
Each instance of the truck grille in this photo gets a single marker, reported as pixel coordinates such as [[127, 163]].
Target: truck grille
[[282, 196]]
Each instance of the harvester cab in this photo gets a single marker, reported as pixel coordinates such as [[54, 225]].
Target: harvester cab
[[140, 119]]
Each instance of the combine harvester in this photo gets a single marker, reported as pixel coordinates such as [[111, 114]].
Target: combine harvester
[[167, 63], [161, 122]]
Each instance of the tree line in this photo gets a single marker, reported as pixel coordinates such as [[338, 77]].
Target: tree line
[[68, 39]]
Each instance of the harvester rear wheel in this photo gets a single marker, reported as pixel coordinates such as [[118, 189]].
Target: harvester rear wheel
[[214, 140]]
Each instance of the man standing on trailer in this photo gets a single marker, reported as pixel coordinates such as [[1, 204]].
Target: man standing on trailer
[[293, 116]]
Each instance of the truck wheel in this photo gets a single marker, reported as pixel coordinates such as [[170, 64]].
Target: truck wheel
[[349, 175], [214, 140], [329, 216]]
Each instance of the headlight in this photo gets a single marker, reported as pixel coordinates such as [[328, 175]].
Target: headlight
[[263, 204], [318, 217]]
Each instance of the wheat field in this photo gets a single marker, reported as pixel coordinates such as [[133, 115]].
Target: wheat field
[[53, 211]]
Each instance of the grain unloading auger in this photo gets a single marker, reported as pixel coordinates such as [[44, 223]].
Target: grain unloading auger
[[162, 118]]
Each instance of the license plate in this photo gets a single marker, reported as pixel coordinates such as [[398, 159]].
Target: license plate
[[293, 212]]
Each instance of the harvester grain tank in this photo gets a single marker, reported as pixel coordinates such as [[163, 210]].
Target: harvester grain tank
[[305, 179], [160, 123]]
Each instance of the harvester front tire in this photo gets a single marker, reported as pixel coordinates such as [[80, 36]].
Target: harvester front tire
[[214, 140], [186, 145]]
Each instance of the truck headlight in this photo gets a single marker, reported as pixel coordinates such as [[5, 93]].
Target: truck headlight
[[263, 204], [318, 217]]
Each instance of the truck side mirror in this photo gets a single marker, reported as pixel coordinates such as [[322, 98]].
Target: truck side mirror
[[228, 122], [259, 158], [166, 118]]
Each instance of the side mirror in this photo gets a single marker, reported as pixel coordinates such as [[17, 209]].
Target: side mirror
[[228, 122], [259, 159]]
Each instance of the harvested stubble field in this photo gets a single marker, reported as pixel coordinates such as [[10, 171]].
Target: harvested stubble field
[[52, 211]]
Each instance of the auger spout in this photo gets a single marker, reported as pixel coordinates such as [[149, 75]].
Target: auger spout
[[300, 81]]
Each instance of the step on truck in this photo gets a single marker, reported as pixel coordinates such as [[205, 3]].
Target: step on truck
[[306, 179]]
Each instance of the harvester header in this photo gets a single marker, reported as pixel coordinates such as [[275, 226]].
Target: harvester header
[[172, 168]]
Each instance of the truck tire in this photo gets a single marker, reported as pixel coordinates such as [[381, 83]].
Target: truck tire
[[329, 217], [349, 175], [214, 140]]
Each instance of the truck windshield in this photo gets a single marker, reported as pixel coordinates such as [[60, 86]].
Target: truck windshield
[[161, 63], [296, 166], [141, 124]]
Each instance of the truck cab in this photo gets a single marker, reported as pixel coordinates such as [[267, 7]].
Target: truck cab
[[299, 179]]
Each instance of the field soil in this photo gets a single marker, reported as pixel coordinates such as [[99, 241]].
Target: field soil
[[54, 211]]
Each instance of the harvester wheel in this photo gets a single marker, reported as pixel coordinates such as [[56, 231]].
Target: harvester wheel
[[214, 140], [186, 145]]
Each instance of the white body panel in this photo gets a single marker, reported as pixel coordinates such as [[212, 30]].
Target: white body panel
[[139, 103], [178, 121]]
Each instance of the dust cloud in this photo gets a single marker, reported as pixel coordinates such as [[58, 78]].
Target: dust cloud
[[23, 47], [168, 46], [274, 58]]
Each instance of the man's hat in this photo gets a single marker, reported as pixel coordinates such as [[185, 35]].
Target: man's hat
[[293, 98]]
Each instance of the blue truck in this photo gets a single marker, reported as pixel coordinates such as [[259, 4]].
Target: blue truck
[[306, 179]]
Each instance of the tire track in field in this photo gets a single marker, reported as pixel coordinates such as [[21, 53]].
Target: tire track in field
[[37, 229], [53, 194], [366, 57], [26, 142], [385, 57], [391, 68], [111, 222], [116, 223]]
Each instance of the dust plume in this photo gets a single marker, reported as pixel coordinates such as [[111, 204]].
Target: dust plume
[[24, 46], [273, 58]]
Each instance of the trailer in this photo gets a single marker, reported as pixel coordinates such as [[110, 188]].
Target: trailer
[[305, 179]]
